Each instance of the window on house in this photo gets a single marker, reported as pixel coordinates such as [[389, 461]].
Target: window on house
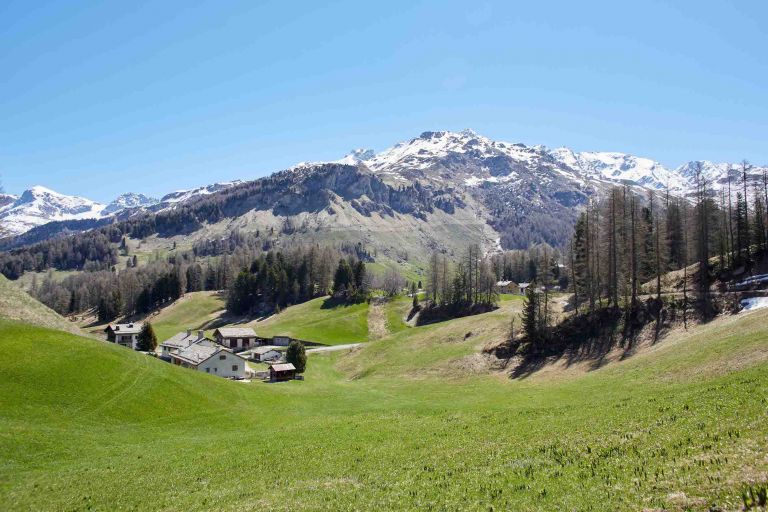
[[207, 370], [222, 357], [234, 367]]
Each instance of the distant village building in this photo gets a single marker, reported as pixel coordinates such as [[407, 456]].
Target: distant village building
[[507, 287], [523, 287], [282, 372], [281, 341], [235, 338], [215, 360], [266, 353], [182, 341], [126, 335]]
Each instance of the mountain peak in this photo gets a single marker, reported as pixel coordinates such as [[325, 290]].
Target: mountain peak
[[39, 205], [356, 156], [129, 200], [39, 191]]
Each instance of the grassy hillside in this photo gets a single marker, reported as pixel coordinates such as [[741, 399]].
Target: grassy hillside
[[197, 310], [402, 423], [16, 304], [316, 320]]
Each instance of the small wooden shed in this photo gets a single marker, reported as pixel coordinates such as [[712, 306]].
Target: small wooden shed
[[282, 372]]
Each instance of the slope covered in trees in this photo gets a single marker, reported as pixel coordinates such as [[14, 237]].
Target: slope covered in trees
[[625, 246]]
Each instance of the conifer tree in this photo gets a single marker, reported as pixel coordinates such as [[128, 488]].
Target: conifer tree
[[296, 355], [147, 340]]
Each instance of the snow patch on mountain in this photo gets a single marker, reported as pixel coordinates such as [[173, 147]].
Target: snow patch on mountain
[[184, 195]]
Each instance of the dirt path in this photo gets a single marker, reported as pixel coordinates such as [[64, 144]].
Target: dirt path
[[377, 319], [333, 348]]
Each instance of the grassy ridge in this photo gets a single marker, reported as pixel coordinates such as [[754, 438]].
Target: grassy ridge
[[16, 304], [193, 311], [315, 321], [87, 424]]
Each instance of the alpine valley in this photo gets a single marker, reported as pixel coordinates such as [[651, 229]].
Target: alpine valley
[[437, 191]]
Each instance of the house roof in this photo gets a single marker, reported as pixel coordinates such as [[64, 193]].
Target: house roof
[[182, 340], [196, 354], [264, 350], [282, 367], [134, 328], [236, 332], [504, 283]]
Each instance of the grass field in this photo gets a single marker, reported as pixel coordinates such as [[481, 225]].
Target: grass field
[[403, 423], [314, 321]]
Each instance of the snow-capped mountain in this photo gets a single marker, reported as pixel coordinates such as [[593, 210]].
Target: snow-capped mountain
[[184, 195], [473, 159], [716, 174], [129, 200], [40, 205], [452, 155], [621, 168], [524, 193]]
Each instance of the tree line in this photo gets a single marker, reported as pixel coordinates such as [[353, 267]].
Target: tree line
[[284, 277], [276, 280], [624, 246], [539, 263], [626, 241], [465, 287]]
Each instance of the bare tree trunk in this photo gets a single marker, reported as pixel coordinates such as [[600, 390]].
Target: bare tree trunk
[[730, 220], [744, 168], [633, 254], [573, 279]]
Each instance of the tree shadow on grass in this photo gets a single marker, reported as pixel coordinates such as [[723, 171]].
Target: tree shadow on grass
[[591, 337]]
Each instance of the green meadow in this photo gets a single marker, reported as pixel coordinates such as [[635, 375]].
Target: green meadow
[[317, 320], [406, 422]]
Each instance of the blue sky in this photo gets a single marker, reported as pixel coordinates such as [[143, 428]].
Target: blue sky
[[99, 98]]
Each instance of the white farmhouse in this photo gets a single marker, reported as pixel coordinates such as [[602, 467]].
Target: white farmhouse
[[126, 335], [183, 340], [266, 353], [215, 360]]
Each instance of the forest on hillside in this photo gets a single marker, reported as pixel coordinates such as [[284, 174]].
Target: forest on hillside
[[624, 246]]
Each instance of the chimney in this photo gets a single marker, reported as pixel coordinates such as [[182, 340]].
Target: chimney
[[189, 332], [200, 334]]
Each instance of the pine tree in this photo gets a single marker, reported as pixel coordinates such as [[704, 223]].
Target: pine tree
[[530, 315], [296, 355], [147, 340]]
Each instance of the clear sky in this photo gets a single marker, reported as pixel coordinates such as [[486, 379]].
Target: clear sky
[[99, 98]]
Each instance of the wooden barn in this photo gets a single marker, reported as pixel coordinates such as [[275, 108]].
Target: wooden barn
[[282, 372]]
